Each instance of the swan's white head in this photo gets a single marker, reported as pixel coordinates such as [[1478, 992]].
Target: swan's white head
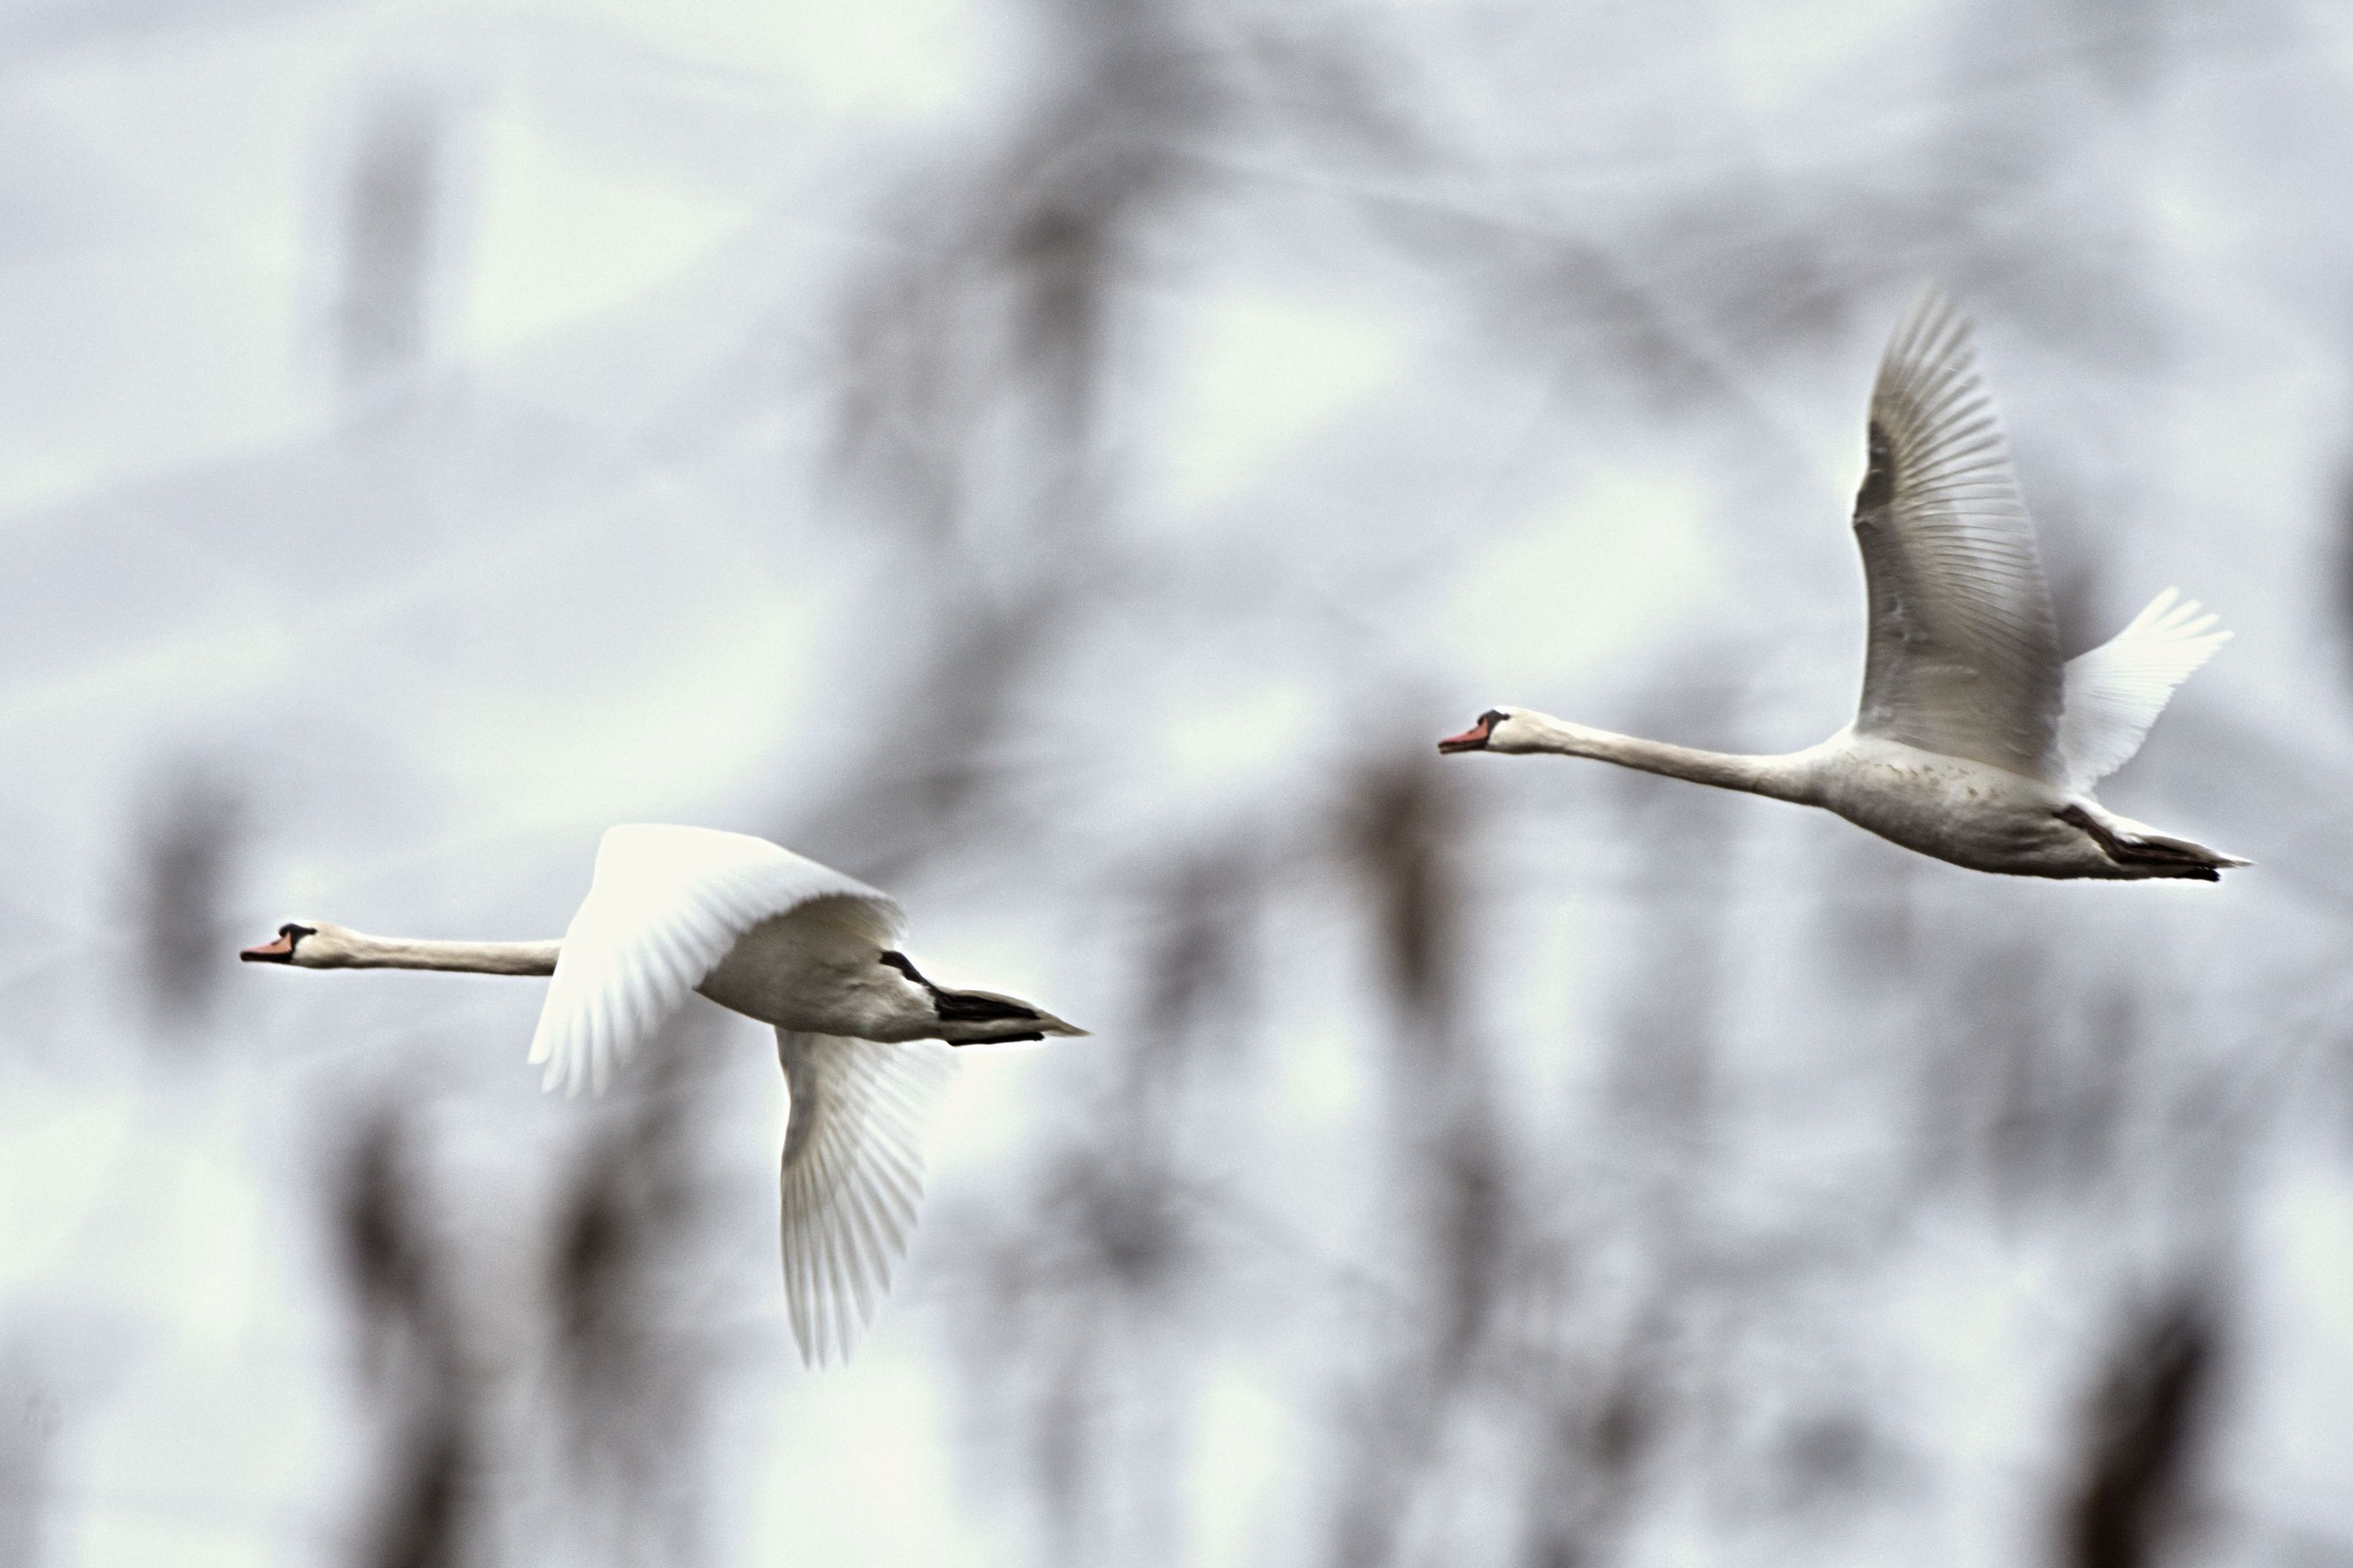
[[1498, 729], [306, 944]]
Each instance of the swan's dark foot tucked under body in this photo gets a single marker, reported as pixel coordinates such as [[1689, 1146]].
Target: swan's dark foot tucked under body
[[2162, 856], [969, 1006]]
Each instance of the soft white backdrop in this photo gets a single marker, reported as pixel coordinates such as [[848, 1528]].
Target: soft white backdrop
[[1068, 462]]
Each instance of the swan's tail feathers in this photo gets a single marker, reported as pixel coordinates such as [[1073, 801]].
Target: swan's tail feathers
[[2145, 851], [2114, 693], [853, 1173]]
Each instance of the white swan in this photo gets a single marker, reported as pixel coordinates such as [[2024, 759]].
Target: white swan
[[779, 938], [1974, 743]]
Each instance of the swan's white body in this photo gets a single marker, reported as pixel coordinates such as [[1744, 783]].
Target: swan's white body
[[1974, 744], [780, 939]]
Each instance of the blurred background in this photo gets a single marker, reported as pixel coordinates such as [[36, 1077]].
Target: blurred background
[[1065, 461]]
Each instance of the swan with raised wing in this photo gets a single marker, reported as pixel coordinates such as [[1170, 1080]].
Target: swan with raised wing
[[1974, 743], [864, 1038]]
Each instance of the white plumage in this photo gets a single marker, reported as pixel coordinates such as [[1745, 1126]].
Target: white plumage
[[863, 1037], [1962, 658], [2114, 691], [853, 1172], [664, 906], [1972, 742]]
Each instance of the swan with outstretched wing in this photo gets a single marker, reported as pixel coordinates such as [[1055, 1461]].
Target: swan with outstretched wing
[[1973, 742], [866, 1040]]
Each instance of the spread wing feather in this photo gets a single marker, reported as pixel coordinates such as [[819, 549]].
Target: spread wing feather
[[2114, 691], [1963, 655], [853, 1173], [665, 906]]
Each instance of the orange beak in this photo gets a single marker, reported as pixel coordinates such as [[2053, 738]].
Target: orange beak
[[278, 951], [1472, 739]]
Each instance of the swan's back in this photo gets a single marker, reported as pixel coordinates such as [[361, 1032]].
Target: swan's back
[[665, 906]]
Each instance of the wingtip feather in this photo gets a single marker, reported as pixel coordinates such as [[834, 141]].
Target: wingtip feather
[[852, 1180]]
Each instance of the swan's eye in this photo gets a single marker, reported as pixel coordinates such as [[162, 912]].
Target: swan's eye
[[294, 933], [1493, 716]]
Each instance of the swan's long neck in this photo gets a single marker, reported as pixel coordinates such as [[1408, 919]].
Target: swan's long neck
[[356, 951], [1775, 776]]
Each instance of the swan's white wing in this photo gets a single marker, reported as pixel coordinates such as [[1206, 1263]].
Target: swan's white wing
[[665, 906], [1963, 656], [853, 1175], [2115, 691]]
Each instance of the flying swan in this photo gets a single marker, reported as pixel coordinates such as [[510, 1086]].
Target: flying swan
[[780, 939], [1974, 744]]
